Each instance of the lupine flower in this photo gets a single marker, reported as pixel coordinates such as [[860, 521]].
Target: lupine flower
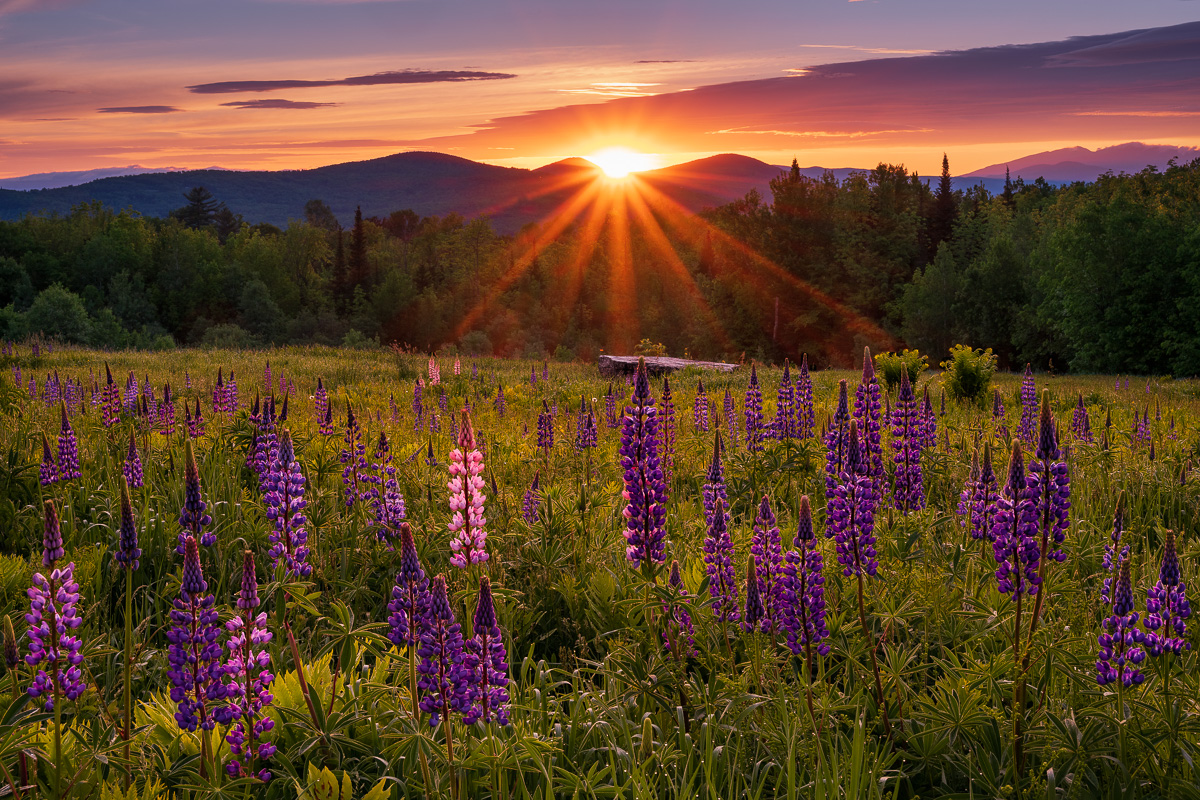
[[805, 413], [389, 509], [851, 511], [908, 433], [166, 413], [731, 426], [52, 617], [132, 467], [700, 408], [1114, 551], [533, 500], [1167, 607], [321, 401], [754, 614], [446, 669], [1015, 546], [802, 607], [766, 550], [192, 517], [231, 395], [666, 430], [48, 471], [285, 504], [753, 412], [1120, 643], [128, 553], [645, 486], [410, 595], [545, 426], [785, 423], [491, 662], [837, 441], [500, 404], [584, 436], [678, 631], [1050, 484], [194, 655], [110, 400], [1029, 408], [610, 407], [249, 690], [984, 499], [468, 525], [354, 459], [963, 509], [714, 483], [928, 423], [1081, 425], [998, 414], [718, 563], [68, 449], [866, 411], [545, 370], [218, 396]]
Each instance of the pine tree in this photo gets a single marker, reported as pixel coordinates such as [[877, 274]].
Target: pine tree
[[201, 208], [945, 208], [358, 253], [1008, 188], [340, 288]]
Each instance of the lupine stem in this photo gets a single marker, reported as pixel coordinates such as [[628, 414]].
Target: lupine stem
[[128, 673], [312, 712], [862, 618], [412, 687], [57, 742]]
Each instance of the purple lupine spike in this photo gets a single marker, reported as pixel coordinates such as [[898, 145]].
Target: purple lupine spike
[[645, 486], [753, 413], [267, 378], [785, 423], [731, 426], [1051, 484], [446, 669], [410, 595], [248, 683], [806, 416], [285, 504], [132, 467], [231, 395], [908, 435], [666, 430], [679, 635], [110, 400], [867, 403], [700, 408], [802, 592], [389, 508], [984, 497], [192, 517], [218, 396], [48, 470], [68, 449], [837, 441], [468, 525], [354, 460], [500, 403], [928, 423], [533, 500], [1015, 545], [166, 413], [52, 617], [127, 553], [714, 483], [1167, 606], [583, 435], [718, 563], [1114, 551], [851, 511], [196, 428], [194, 656], [491, 662], [610, 407], [1081, 424], [766, 549], [1029, 408], [754, 615], [998, 414], [1120, 643], [963, 509], [545, 428]]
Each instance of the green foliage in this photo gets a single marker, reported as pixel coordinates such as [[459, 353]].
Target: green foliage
[[59, 314], [969, 373], [891, 365], [228, 336], [647, 348]]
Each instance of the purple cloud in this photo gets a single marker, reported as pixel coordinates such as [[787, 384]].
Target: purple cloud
[[378, 79], [277, 103], [139, 110]]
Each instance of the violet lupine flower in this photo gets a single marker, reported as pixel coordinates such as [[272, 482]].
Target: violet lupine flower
[[249, 691], [837, 441], [766, 550], [731, 426], [52, 617], [500, 403], [700, 408], [148, 390], [267, 379], [194, 655], [785, 412], [32, 388], [218, 395], [321, 402], [545, 429], [285, 504], [1081, 424], [196, 425], [446, 669], [851, 511], [132, 467], [984, 497], [110, 400], [166, 413], [192, 517], [490, 679], [582, 441], [1050, 484], [545, 370], [591, 435], [866, 411], [753, 412], [718, 563], [128, 554], [1167, 606], [754, 616], [645, 486], [963, 509], [802, 588], [68, 449], [533, 500], [806, 416], [231, 395], [443, 401], [389, 508], [1112, 555], [1015, 545], [1120, 643], [928, 423], [1029, 408], [468, 525], [666, 430], [714, 483], [410, 595], [998, 414], [908, 432], [48, 470], [353, 457], [610, 407], [679, 635]]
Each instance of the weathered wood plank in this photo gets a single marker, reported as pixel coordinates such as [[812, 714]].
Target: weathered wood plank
[[655, 365]]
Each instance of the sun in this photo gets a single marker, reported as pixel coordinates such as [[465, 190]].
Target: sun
[[618, 162]]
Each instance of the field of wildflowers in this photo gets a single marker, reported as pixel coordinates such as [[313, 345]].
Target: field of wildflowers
[[366, 574]]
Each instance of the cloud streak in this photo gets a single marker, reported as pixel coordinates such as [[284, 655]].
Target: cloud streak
[[277, 103], [404, 76], [140, 110]]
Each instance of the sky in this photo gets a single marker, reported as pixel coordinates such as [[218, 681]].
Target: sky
[[292, 84]]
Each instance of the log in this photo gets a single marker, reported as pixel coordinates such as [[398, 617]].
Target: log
[[611, 366]]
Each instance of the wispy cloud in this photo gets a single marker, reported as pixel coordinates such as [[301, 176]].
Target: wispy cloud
[[615, 89], [1135, 113], [139, 110], [378, 79], [277, 103], [666, 61]]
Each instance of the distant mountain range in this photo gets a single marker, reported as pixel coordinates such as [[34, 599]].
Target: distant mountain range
[[439, 184]]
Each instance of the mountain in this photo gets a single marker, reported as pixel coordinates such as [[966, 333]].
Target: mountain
[[57, 180], [428, 183], [1071, 164]]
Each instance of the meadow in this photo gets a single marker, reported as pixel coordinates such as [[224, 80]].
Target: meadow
[[558, 667]]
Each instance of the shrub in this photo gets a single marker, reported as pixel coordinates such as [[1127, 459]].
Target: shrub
[[227, 336], [647, 348], [889, 365], [969, 373]]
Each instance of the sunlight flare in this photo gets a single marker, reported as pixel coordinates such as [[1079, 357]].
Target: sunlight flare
[[618, 162]]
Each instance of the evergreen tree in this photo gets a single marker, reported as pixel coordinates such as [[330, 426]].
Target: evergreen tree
[[201, 208], [358, 253], [1008, 188], [945, 208], [340, 286]]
